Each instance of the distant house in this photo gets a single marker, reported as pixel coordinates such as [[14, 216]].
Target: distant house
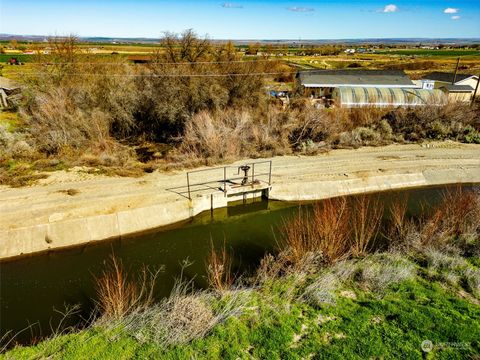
[[444, 78], [459, 87], [322, 83], [10, 93]]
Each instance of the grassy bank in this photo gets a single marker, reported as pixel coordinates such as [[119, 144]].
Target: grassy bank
[[355, 319], [342, 285]]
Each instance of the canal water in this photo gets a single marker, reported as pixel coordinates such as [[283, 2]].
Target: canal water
[[35, 290]]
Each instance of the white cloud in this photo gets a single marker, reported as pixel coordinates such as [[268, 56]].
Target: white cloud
[[390, 8], [232, 6], [455, 17], [450, 11], [300, 9]]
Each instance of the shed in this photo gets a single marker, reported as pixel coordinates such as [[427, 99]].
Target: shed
[[445, 78], [458, 93], [349, 97]]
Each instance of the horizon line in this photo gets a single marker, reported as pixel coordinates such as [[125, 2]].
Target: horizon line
[[247, 39]]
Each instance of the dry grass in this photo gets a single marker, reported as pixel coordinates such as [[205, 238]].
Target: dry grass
[[118, 296], [325, 230], [335, 228], [398, 222], [183, 316], [366, 218], [300, 236], [219, 269], [373, 273], [230, 134], [456, 218], [380, 271], [331, 221]]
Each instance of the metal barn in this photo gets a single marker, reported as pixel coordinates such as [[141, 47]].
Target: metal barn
[[361, 97]]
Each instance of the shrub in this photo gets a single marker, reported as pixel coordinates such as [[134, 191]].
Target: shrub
[[455, 220], [380, 271], [219, 269], [324, 230], [365, 223], [228, 135], [119, 296], [183, 316]]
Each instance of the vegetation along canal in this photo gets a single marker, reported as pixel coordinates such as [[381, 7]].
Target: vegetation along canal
[[35, 290]]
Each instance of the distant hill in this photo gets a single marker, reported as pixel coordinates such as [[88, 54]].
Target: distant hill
[[140, 40]]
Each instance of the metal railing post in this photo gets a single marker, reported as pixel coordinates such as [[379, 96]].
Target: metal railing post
[[188, 185], [225, 180], [270, 174]]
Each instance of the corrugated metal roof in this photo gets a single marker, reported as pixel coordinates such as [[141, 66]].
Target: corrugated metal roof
[[458, 88], [367, 78], [360, 96], [446, 77]]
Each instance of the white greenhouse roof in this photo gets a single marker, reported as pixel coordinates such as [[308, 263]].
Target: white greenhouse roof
[[361, 96]]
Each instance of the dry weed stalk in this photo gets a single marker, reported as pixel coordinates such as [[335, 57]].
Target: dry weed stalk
[[457, 215], [398, 223], [219, 269], [331, 222], [366, 218], [310, 238], [183, 316], [300, 237], [118, 296]]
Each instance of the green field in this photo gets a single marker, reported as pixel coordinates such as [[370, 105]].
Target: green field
[[20, 57], [427, 52]]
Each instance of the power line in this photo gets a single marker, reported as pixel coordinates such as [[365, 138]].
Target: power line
[[162, 75], [159, 63]]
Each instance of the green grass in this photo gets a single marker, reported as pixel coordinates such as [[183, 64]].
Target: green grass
[[427, 52], [10, 120], [278, 325], [20, 57]]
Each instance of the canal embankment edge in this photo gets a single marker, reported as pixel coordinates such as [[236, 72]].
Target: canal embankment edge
[[60, 233]]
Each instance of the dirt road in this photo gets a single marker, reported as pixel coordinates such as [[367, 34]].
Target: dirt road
[[40, 217]]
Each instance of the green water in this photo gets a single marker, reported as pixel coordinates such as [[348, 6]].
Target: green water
[[32, 288]]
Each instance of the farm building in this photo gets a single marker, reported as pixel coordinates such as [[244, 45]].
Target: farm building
[[349, 97], [459, 87], [458, 93], [10, 93], [322, 83], [444, 78]]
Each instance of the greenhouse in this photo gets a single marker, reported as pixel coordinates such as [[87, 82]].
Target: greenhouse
[[361, 97]]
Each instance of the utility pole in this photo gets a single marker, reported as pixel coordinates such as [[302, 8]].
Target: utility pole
[[455, 74], [475, 92]]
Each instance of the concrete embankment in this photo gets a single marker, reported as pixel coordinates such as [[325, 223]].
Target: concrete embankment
[[70, 208]]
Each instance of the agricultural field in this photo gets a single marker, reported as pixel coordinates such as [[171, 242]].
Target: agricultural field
[[431, 52]]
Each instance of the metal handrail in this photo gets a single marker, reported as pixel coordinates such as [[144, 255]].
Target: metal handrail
[[254, 176]]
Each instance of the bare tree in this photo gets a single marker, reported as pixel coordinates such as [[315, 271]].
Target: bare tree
[[187, 47]]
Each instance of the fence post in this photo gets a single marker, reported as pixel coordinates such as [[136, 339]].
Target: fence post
[[225, 181], [253, 172], [270, 174], [188, 185]]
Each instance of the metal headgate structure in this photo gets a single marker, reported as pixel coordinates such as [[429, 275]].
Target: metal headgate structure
[[231, 182]]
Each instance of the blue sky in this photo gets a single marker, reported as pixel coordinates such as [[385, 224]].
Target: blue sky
[[247, 19]]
